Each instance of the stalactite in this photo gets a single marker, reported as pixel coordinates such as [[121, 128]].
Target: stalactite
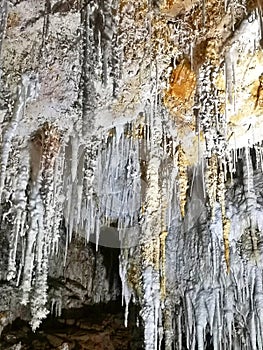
[[122, 159], [26, 91], [39, 238], [20, 203]]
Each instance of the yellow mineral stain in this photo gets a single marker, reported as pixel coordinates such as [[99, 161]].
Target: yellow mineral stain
[[220, 82], [134, 278], [182, 164], [212, 51], [249, 94], [150, 252], [156, 253], [45, 146], [259, 100], [251, 105], [225, 221], [13, 20]]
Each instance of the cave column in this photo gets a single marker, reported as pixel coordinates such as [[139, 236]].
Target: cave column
[[150, 241]]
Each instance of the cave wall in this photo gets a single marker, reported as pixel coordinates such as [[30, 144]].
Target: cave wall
[[136, 127]]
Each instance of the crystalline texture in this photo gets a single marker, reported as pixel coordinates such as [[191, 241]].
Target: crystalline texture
[[100, 154]]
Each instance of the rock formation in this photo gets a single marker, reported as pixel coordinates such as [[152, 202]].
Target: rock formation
[[131, 171]]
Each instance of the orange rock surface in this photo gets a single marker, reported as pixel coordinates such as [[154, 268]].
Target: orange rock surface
[[179, 96]]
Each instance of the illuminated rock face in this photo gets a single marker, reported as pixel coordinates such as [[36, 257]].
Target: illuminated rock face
[[135, 126]]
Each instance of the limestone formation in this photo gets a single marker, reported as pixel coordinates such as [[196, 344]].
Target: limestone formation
[[131, 171]]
